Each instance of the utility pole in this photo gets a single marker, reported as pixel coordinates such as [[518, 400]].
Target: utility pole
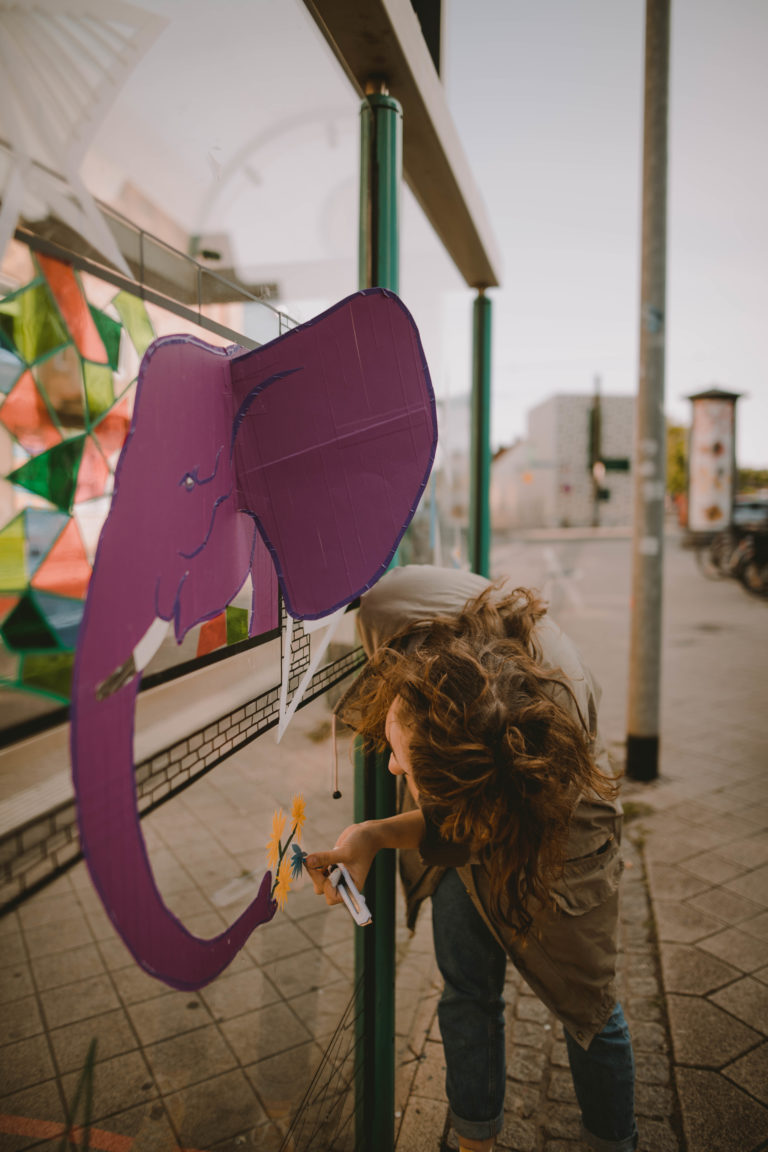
[[650, 428]]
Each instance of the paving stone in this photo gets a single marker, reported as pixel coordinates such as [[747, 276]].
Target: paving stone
[[422, 1126], [518, 1135], [652, 1068], [118, 1084], [429, 1080], [747, 999], [233, 994], [753, 885], [704, 1035], [737, 947], [657, 1136], [111, 1031], [726, 905], [167, 1015], [560, 1085], [654, 1100], [667, 882], [21, 1018], [25, 1063], [645, 1009], [526, 1064], [562, 1119], [218, 1108], [649, 1037], [682, 924], [709, 866], [751, 1073], [281, 1081], [183, 1060], [757, 927], [15, 982], [688, 969], [265, 1032], [60, 968], [717, 1116], [751, 851]]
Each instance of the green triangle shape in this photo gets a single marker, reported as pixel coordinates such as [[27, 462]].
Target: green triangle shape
[[13, 567], [53, 474], [26, 628], [50, 673], [110, 331], [31, 320], [237, 625], [133, 313], [99, 389]]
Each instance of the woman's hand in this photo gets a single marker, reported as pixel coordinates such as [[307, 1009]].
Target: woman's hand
[[356, 848]]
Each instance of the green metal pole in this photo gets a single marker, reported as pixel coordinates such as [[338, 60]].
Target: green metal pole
[[480, 453], [375, 794]]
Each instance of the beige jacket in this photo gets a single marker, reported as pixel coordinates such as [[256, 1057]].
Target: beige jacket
[[569, 956]]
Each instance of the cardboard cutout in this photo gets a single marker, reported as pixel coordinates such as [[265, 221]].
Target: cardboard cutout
[[316, 447]]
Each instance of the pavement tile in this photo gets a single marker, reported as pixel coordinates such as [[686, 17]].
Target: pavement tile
[[282, 940], [751, 1073], [21, 1018], [146, 1125], [704, 1035], [657, 1136], [712, 867], [322, 1009], [239, 992], [717, 1116], [25, 1063], [519, 1135], [52, 908], [429, 1080], [15, 982], [682, 924], [751, 851], [652, 1068], [111, 1031], [648, 1036], [667, 882], [525, 1064], [758, 926], [560, 1086], [215, 1110], [78, 1001], [168, 1015], [134, 985], [747, 999], [422, 1124], [726, 905], [281, 1081], [59, 936], [13, 951], [737, 948], [188, 1059], [688, 969], [67, 967], [762, 974], [752, 885], [560, 1117], [41, 1102], [265, 1032], [119, 1084], [303, 972]]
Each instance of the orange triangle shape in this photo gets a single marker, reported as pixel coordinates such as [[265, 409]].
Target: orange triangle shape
[[213, 635], [113, 429], [6, 604], [92, 475], [74, 308], [25, 415], [65, 569]]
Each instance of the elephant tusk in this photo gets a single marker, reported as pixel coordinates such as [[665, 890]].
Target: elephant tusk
[[137, 661]]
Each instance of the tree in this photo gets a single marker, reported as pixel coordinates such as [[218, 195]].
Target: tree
[[677, 459]]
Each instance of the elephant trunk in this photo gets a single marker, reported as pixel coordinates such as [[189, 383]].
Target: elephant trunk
[[114, 848]]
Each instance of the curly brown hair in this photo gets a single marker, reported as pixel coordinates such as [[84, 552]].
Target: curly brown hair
[[499, 751]]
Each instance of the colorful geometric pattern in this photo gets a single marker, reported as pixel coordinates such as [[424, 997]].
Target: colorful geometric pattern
[[65, 410]]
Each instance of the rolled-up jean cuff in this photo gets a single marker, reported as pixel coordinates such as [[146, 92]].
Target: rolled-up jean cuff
[[628, 1144], [476, 1129]]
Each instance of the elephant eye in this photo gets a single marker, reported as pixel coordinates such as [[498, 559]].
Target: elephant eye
[[189, 481]]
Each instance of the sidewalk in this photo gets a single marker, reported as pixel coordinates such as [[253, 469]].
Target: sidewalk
[[694, 921], [226, 1068]]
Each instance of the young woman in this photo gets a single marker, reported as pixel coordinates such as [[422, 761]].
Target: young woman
[[511, 824]]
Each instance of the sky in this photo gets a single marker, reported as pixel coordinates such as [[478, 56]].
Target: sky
[[547, 98], [221, 134]]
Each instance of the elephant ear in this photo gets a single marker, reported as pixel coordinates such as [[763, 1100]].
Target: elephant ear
[[333, 441]]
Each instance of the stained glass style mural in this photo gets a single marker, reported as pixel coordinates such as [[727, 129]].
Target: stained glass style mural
[[70, 349]]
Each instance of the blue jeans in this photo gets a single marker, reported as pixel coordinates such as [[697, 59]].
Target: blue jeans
[[471, 1017]]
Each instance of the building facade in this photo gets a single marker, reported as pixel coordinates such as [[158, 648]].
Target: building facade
[[573, 468]]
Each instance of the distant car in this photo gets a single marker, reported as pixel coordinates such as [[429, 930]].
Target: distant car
[[751, 511]]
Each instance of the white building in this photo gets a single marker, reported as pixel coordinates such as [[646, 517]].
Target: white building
[[547, 479]]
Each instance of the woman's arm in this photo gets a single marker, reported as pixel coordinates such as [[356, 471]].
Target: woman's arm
[[357, 846]]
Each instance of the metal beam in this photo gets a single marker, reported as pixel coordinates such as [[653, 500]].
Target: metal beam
[[383, 39]]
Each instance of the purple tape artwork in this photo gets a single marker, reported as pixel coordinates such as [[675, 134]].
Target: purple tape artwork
[[311, 452]]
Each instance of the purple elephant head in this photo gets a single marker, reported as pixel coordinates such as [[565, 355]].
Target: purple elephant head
[[312, 451]]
